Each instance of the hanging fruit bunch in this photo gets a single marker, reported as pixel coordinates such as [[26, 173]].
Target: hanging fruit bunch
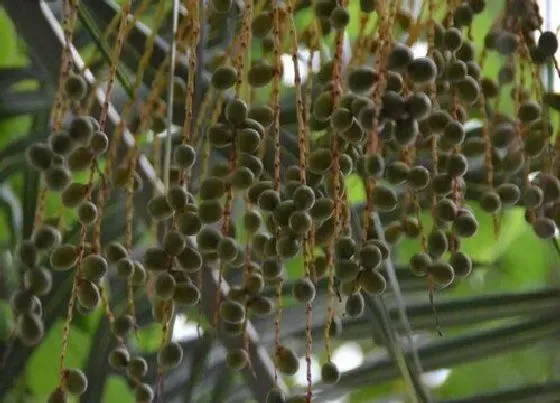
[[253, 156]]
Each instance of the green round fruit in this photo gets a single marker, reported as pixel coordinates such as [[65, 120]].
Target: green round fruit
[[64, 257], [232, 312], [118, 358], [57, 178], [330, 373], [224, 77], [74, 381], [38, 281], [88, 294], [94, 267], [115, 251], [303, 290], [237, 359], [170, 355], [372, 282], [419, 263], [39, 156], [184, 156], [286, 360], [87, 213], [164, 286], [355, 305]]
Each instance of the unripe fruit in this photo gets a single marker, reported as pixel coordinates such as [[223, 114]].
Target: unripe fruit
[[29, 329], [118, 359], [237, 359], [355, 305], [330, 373], [38, 281], [94, 267], [224, 77], [303, 290], [232, 312], [164, 286], [87, 213], [170, 355], [75, 87], [88, 294], [143, 393], [64, 257], [74, 381], [286, 360]]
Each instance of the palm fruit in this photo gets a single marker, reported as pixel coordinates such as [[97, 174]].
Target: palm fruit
[[370, 256], [164, 286], [80, 159], [419, 263], [39, 156], [236, 111], [125, 267], [355, 305], [362, 79], [533, 196], [137, 368], [99, 143], [372, 282], [208, 239], [224, 77], [384, 198], [330, 373], [399, 58], [159, 208], [115, 251], [323, 106], [88, 294], [38, 281], [509, 193], [87, 213], [75, 87], [260, 74], [490, 202], [170, 355], [232, 312], [465, 225], [58, 396], [186, 294], [441, 273], [303, 290], [27, 253], [64, 257], [57, 178], [143, 393], [23, 301], [421, 70], [29, 329], [545, 228], [237, 359], [275, 396], [74, 381], [184, 156], [94, 267], [461, 263], [61, 144], [286, 360], [262, 114], [548, 43], [437, 243], [339, 18], [118, 359]]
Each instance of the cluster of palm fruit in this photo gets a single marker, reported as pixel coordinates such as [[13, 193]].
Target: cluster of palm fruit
[[400, 126]]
